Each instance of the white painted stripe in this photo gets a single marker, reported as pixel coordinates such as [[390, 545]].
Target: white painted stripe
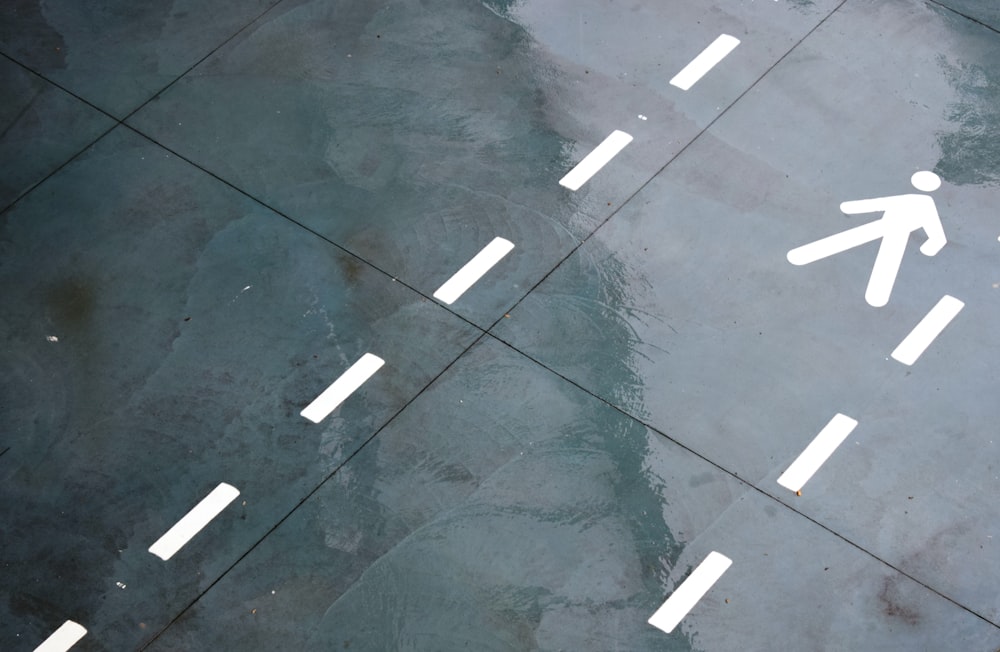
[[705, 61], [63, 638], [596, 160], [818, 451], [194, 521], [473, 270], [690, 592], [913, 346], [347, 384]]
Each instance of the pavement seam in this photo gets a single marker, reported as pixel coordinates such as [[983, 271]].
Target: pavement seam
[[941, 4], [307, 229], [197, 63], [480, 337], [118, 121], [743, 481], [311, 493], [673, 158], [72, 157]]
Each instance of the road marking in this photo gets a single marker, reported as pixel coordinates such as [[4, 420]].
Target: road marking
[[194, 521], [347, 384], [914, 344], [687, 595], [596, 160], [901, 216], [705, 61], [473, 270], [818, 451], [63, 638]]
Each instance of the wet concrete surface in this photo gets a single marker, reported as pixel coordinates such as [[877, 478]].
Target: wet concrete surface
[[336, 126], [542, 463], [117, 54], [986, 13], [43, 127]]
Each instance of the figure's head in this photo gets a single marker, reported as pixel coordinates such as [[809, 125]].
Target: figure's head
[[926, 181]]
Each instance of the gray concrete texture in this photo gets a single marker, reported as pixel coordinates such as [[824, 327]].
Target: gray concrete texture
[[211, 210]]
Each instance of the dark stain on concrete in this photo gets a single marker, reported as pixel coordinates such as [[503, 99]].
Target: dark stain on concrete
[[890, 600], [71, 301]]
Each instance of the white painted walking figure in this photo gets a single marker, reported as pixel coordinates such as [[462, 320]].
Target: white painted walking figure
[[901, 216]]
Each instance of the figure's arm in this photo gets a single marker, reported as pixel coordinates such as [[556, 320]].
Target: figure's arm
[[875, 205], [936, 239]]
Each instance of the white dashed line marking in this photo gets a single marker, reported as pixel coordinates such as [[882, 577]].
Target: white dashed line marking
[[690, 592], [817, 452], [704, 62], [194, 521], [63, 638], [347, 384], [914, 344], [473, 270], [596, 160]]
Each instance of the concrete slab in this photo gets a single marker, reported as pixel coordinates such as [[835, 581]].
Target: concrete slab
[[984, 12], [41, 127], [744, 357], [413, 142], [166, 343], [118, 54], [164, 325], [506, 509]]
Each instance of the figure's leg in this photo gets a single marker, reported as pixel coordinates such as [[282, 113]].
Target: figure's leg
[[836, 243], [887, 262]]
